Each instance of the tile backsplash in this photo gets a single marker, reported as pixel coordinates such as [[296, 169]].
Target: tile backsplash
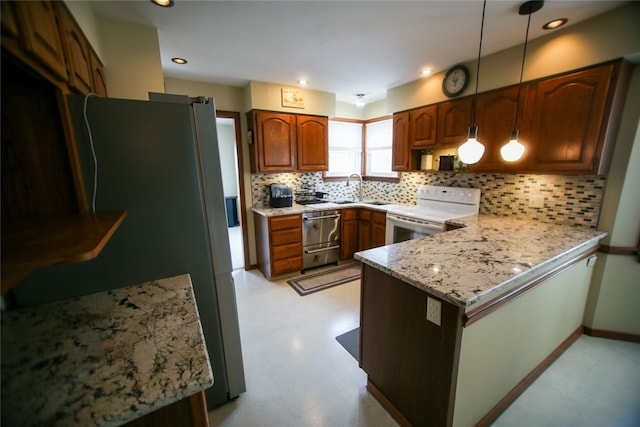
[[572, 200]]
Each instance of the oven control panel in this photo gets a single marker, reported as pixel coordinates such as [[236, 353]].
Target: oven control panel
[[470, 196]]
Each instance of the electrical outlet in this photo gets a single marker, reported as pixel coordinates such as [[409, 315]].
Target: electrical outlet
[[536, 201], [434, 311]]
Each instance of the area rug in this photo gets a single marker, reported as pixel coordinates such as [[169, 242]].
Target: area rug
[[305, 285], [351, 342]]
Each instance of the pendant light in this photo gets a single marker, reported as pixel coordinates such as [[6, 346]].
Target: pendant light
[[471, 151], [513, 150]]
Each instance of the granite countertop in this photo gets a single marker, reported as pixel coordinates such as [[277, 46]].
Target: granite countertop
[[299, 209], [103, 359], [490, 256]]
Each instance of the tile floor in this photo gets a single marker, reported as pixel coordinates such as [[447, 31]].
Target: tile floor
[[298, 375]]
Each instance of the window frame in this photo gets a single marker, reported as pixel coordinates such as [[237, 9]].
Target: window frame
[[363, 160]]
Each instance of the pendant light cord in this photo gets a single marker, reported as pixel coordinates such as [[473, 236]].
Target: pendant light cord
[[475, 97], [524, 56]]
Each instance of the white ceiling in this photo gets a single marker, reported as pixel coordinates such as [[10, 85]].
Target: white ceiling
[[342, 47]]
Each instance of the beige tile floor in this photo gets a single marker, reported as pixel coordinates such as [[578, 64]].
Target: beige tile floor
[[298, 375]]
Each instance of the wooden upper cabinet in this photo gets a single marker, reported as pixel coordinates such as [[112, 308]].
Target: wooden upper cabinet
[[40, 35], [423, 127], [9, 20], [97, 74], [570, 117], [77, 51], [495, 119], [454, 119], [313, 143], [275, 142], [400, 156]]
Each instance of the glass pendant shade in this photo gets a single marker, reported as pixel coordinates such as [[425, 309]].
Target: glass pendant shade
[[512, 150], [471, 151]]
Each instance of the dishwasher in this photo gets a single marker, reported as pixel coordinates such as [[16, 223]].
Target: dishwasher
[[320, 238]]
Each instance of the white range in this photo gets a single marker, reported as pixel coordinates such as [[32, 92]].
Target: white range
[[434, 206]]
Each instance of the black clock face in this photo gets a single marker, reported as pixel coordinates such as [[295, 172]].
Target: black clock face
[[456, 81]]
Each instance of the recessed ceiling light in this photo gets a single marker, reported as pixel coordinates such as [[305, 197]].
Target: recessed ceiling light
[[425, 72], [303, 82], [555, 23], [163, 3], [180, 61]]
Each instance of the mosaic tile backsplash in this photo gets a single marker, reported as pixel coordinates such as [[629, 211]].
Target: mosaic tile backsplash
[[571, 200]]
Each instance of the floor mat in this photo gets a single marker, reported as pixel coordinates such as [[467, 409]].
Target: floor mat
[[305, 285], [351, 342]]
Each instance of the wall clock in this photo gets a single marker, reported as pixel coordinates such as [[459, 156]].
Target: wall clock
[[455, 81]]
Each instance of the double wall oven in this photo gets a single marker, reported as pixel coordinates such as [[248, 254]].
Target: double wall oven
[[320, 238], [434, 206]]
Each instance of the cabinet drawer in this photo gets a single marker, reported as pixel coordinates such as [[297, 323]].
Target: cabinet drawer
[[288, 265], [284, 222], [379, 217], [291, 250], [293, 235], [365, 214]]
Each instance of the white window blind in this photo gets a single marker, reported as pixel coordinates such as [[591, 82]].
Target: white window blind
[[345, 148]]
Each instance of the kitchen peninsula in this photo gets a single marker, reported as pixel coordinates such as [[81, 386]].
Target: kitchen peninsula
[[454, 326], [107, 358]]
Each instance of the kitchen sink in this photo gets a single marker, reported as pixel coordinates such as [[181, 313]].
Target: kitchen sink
[[374, 202], [343, 202]]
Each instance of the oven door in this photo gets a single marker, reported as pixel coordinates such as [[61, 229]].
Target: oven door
[[401, 228]]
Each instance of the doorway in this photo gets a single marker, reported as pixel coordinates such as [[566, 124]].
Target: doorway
[[231, 161]]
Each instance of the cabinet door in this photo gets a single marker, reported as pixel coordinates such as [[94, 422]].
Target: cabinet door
[[349, 233], [275, 144], [364, 229], [423, 123], [78, 52], [313, 143], [378, 229], [9, 21], [41, 36], [495, 119], [567, 119], [400, 156], [99, 80], [454, 119]]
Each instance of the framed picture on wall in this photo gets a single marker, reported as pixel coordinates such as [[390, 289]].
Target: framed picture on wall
[[292, 98]]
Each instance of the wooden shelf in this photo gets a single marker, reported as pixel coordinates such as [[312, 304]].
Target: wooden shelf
[[32, 243]]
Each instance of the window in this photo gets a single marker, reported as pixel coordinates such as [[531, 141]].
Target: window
[[345, 148], [348, 139], [378, 148]]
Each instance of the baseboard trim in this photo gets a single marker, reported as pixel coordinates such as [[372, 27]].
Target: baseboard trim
[[620, 336], [387, 405], [511, 397]]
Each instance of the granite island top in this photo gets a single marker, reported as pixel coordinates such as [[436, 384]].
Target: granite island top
[[103, 359], [490, 256]]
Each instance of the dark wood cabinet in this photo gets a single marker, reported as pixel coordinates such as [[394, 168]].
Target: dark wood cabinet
[[573, 122], [454, 119], [99, 79], [278, 244], [40, 35], [313, 143], [423, 124], [371, 229], [43, 194], [400, 156], [348, 233], [404, 355], [288, 142], [77, 52], [495, 119]]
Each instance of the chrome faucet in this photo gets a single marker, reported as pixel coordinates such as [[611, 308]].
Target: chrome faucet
[[360, 189]]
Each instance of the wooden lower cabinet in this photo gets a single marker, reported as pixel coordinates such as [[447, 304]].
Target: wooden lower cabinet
[[371, 229], [348, 233], [404, 355], [278, 244], [188, 412]]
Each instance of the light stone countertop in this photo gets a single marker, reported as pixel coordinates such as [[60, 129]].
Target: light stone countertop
[[489, 257], [268, 211], [103, 359]]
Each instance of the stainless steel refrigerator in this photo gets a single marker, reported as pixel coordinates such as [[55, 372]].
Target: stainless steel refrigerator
[[159, 161]]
